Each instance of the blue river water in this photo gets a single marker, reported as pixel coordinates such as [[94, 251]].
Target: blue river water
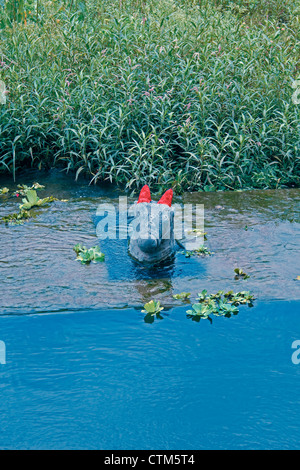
[[80, 368], [108, 380]]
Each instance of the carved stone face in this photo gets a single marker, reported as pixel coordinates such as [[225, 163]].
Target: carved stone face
[[152, 237]]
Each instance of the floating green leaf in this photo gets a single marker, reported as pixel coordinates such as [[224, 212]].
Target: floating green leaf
[[29, 201], [152, 310], [152, 307], [198, 233], [240, 274], [202, 296], [219, 304], [227, 309], [87, 256], [240, 298], [182, 296], [17, 218], [202, 310], [201, 251], [23, 189], [32, 200], [4, 191], [79, 248]]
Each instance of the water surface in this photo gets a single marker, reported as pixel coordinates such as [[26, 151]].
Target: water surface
[[85, 371], [107, 380], [257, 231]]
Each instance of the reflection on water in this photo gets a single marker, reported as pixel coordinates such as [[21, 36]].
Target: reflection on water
[[257, 231]]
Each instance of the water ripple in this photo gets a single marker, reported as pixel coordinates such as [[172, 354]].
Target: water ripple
[[257, 231]]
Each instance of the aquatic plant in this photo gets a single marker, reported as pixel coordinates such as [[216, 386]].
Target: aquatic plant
[[29, 201], [240, 298], [198, 233], [23, 189], [3, 191], [78, 248], [240, 274], [182, 296], [153, 307], [87, 256], [17, 218], [201, 251], [190, 95], [219, 304], [152, 310], [32, 200], [200, 311]]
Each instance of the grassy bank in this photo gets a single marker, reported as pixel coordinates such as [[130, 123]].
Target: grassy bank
[[193, 95]]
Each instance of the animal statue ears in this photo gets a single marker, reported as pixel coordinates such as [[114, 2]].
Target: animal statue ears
[[166, 198], [145, 196]]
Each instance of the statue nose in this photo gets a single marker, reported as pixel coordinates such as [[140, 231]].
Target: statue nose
[[148, 245]]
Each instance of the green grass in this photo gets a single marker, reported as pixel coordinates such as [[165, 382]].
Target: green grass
[[193, 95]]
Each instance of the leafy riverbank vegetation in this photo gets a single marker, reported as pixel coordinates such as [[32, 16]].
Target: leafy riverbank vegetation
[[183, 94]]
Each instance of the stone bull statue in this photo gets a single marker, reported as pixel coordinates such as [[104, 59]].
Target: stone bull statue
[[152, 241]]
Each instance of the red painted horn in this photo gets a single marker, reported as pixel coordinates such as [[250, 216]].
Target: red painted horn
[[167, 198], [145, 195]]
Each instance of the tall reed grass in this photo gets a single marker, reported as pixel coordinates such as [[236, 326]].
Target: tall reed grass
[[193, 95]]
